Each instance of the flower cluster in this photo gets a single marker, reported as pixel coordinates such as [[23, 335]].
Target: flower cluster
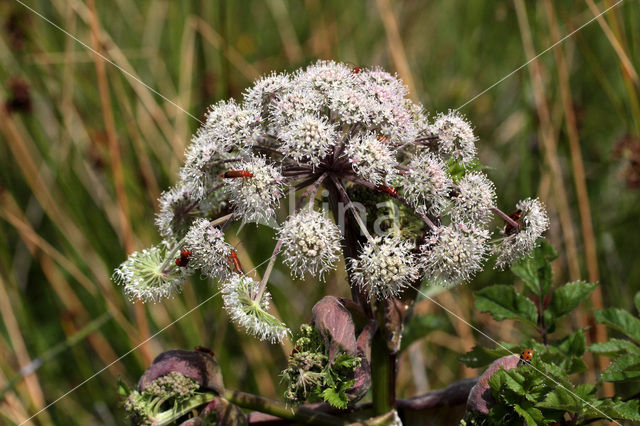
[[311, 243], [355, 132], [160, 398]]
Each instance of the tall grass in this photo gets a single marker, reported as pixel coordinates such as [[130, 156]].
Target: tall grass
[[81, 169]]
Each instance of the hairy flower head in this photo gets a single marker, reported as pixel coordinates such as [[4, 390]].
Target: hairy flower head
[[310, 243], [148, 275], [238, 294], [308, 138], [209, 251], [256, 197], [385, 266], [532, 223], [475, 196], [454, 253], [426, 183], [456, 138], [372, 158]]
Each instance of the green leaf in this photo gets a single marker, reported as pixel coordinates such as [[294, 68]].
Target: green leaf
[[614, 347], [337, 397], [123, 388], [535, 271], [502, 302], [531, 415], [480, 356], [617, 410], [574, 344], [561, 399], [623, 369], [637, 300], [420, 326], [620, 320], [568, 297]]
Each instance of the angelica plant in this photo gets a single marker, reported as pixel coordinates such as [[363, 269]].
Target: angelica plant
[[353, 134]]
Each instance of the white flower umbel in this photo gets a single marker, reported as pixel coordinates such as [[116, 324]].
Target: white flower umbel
[[233, 124], [532, 224], [454, 253], [149, 275], [308, 138], [292, 105], [426, 183], [265, 90], [256, 197], [209, 251], [237, 294], [385, 266], [178, 207], [352, 105], [371, 158], [475, 196], [456, 138], [206, 157], [310, 243], [324, 76]]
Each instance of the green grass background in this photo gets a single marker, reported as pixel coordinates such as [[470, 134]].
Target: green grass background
[[80, 174]]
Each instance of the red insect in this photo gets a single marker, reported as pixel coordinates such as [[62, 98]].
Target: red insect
[[387, 189], [510, 229], [357, 70], [233, 257], [236, 174], [382, 138], [526, 355], [183, 260]]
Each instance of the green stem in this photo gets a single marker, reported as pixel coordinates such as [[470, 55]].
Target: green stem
[[382, 370], [169, 416], [279, 409]]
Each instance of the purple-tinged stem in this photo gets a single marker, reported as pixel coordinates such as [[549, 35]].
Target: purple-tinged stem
[[506, 217]]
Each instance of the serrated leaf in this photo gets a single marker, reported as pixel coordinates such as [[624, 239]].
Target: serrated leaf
[[623, 369], [480, 356], [614, 347], [576, 365], [337, 397], [420, 326], [574, 344], [502, 302], [620, 320], [617, 410], [566, 298], [561, 399], [531, 415], [535, 270]]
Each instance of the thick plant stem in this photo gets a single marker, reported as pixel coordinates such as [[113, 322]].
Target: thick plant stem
[[383, 368], [350, 242], [278, 409]]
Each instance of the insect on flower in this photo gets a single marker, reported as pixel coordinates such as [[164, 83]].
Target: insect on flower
[[526, 356], [510, 229], [357, 70], [387, 189], [231, 174], [233, 257], [183, 260]]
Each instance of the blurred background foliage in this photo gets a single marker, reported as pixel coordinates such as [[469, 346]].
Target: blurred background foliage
[[85, 150]]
